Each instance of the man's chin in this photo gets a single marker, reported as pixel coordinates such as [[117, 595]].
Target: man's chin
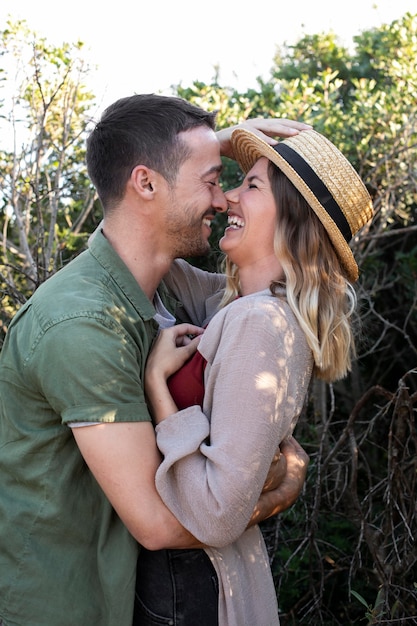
[[202, 249]]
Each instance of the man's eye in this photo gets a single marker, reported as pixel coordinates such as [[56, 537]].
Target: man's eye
[[252, 186]]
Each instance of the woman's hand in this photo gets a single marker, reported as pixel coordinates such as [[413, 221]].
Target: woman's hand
[[172, 348], [265, 128]]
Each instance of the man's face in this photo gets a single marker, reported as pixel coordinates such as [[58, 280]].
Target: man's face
[[196, 196]]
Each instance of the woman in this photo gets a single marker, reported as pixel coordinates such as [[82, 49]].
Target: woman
[[285, 317]]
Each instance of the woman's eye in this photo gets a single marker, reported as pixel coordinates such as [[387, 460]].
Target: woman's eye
[[252, 186]]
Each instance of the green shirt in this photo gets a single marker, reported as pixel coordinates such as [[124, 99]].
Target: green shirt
[[74, 352]]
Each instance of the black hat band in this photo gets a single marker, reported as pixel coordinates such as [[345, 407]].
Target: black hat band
[[317, 186]]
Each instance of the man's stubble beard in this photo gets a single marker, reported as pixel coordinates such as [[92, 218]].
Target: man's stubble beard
[[186, 234], [190, 246]]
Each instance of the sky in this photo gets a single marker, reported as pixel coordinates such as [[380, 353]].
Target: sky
[[142, 47]]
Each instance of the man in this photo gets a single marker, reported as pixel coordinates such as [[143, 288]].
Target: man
[[78, 454]]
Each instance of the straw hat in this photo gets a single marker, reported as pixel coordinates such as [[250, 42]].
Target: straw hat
[[323, 176]]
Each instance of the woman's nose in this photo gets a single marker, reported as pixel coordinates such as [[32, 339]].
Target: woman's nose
[[232, 196]]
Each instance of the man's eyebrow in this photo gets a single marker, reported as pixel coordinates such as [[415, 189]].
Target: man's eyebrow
[[216, 169]]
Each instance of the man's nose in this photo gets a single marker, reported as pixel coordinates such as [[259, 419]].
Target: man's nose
[[220, 202]]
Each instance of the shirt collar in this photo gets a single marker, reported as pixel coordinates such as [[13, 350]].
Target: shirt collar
[[108, 258]]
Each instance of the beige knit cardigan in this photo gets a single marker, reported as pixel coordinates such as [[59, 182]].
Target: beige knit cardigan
[[216, 459]]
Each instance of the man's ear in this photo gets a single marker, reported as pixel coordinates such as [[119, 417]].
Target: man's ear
[[143, 180]]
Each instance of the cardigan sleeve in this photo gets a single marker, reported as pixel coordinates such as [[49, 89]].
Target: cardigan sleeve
[[198, 291], [216, 459]]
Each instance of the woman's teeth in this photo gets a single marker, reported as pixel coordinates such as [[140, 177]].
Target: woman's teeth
[[235, 222]]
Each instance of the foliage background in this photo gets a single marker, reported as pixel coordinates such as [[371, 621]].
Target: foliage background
[[346, 552]]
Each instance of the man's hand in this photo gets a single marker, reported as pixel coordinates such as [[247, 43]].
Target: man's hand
[[274, 500], [277, 471], [265, 128]]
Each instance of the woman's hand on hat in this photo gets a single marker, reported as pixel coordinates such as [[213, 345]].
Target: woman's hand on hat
[[266, 128]]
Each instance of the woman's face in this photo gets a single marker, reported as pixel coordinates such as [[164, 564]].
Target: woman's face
[[252, 218]]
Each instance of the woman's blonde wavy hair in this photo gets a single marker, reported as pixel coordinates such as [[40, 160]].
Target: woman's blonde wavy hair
[[317, 290]]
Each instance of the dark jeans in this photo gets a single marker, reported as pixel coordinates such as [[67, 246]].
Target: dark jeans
[[176, 588]]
